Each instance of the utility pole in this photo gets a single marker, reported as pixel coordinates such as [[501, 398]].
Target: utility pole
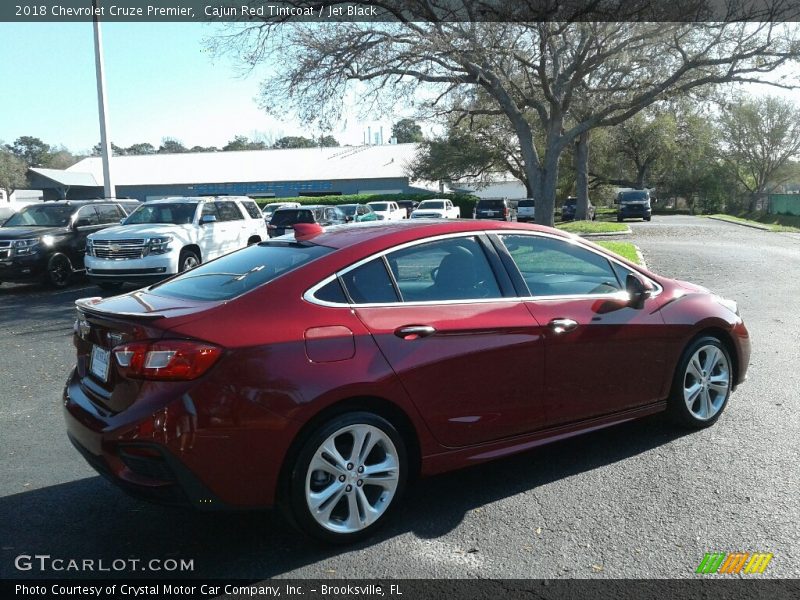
[[109, 189]]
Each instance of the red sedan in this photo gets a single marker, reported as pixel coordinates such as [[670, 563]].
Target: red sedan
[[321, 373]]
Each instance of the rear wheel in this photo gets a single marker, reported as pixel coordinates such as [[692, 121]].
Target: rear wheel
[[59, 270], [702, 383], [187, 260], [349, 476]]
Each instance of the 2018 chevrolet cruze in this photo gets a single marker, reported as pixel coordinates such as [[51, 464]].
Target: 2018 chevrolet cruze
[[323, 372]]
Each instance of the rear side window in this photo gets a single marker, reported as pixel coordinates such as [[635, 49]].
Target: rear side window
[[239, 272], [370, 283], [109, 213], [252, 210], [228, 211]]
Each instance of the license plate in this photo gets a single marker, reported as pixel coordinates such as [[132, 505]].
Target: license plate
[[489, 213], [100, 363]]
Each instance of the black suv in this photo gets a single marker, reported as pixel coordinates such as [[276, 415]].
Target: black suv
[[634, 204], [496, 209], [285, 219], [47, 240], [571, 205]]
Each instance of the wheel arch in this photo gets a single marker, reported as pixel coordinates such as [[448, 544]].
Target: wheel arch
[[727, 340], [253, 239], [194, 248]]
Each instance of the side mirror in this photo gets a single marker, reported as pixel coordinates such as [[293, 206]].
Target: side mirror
[[638, 291], [348, 218], [122, 220], [208, 219]]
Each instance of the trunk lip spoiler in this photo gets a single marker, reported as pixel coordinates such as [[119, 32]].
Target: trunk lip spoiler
[[89, 305]]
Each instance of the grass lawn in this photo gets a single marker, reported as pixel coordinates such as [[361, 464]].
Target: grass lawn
[[591, 227], [624, 249], [789, 223]]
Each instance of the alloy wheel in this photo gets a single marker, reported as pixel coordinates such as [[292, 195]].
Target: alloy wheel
[[352, 478], [706, 382], [59, 270]]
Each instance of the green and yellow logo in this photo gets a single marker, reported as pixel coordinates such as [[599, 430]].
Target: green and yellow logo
[[734, 563]]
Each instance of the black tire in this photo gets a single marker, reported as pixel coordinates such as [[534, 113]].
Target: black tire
[[647, 218], [300, 474], [109, 286], [187, 260], [59, 270], [678, 405], [619, 219]]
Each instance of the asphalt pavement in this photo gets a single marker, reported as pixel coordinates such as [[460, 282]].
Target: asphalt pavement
[[640, 500]]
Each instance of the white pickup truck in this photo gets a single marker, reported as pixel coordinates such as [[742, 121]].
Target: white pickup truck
[[388, 211], [171, 235], [436, 209]]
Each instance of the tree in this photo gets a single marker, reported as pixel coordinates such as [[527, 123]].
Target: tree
[[293, 141], [327, 141], [241, 142], [60, 158], [535, 74], [97, 150], [171, 146], [12, 172], [760, 136], [407, 131], [203, 149], [31, 150], [140, 148]]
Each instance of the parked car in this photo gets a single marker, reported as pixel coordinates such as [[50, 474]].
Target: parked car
[[9, 208], [270, 208], [172, 235], [408, 205], [526, 210], [496, 209], [284, 219], [634, 204], [358, 213], [570, 207], [47, 240], [324, 374], [438, 208], [388, 211]]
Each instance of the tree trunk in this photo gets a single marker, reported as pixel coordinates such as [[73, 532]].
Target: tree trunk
[[582, 176]]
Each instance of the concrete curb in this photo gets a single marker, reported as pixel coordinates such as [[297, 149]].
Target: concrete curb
[[750, 225], [640, 256], [606, 234]]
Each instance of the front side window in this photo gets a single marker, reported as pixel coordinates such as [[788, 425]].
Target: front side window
[[552, 267]]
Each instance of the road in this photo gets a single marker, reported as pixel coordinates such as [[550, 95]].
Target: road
[[643, 500]]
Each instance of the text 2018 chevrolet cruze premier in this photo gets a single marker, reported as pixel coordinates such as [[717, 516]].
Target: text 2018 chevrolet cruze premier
[[322, 372]]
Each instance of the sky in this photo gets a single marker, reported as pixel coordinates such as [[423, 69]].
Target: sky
[[160, 81]]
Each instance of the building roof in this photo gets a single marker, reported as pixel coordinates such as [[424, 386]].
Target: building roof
[[297, 164], [71, 178]]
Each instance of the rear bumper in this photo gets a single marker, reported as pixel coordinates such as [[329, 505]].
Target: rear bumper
[[185, 451]]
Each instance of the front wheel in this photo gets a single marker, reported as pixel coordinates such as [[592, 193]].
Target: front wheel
[[59, 270], [187, 260], [349, 476], [702, 383]]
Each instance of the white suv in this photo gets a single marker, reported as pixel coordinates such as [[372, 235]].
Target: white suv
[[388, 211], [171, 235]]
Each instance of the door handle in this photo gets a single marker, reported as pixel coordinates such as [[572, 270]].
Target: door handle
[[413, 332], [560, 326]]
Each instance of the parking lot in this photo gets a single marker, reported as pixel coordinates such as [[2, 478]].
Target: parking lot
[[641, 500]]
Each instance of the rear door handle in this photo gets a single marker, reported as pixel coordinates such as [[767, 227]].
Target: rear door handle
[[560, 326], [413, 332]]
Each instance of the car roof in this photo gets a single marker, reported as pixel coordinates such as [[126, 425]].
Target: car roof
[[194, 199], [383, 233]]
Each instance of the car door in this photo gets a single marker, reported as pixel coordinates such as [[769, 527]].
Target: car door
[[85, 223], [231, 226], [603, 355], [212, 238], [468, 352]]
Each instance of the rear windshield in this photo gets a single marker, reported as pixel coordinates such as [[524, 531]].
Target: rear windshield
[[239, 272], [177, 213], [491, 203], [638, 195], [571, 202], [525, 204], [289, 216], [379, 205]]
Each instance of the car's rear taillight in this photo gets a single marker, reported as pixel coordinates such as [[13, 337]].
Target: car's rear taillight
[[173, 360], [505, 212]]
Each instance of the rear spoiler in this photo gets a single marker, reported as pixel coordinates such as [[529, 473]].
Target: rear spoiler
[[90, 305]]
